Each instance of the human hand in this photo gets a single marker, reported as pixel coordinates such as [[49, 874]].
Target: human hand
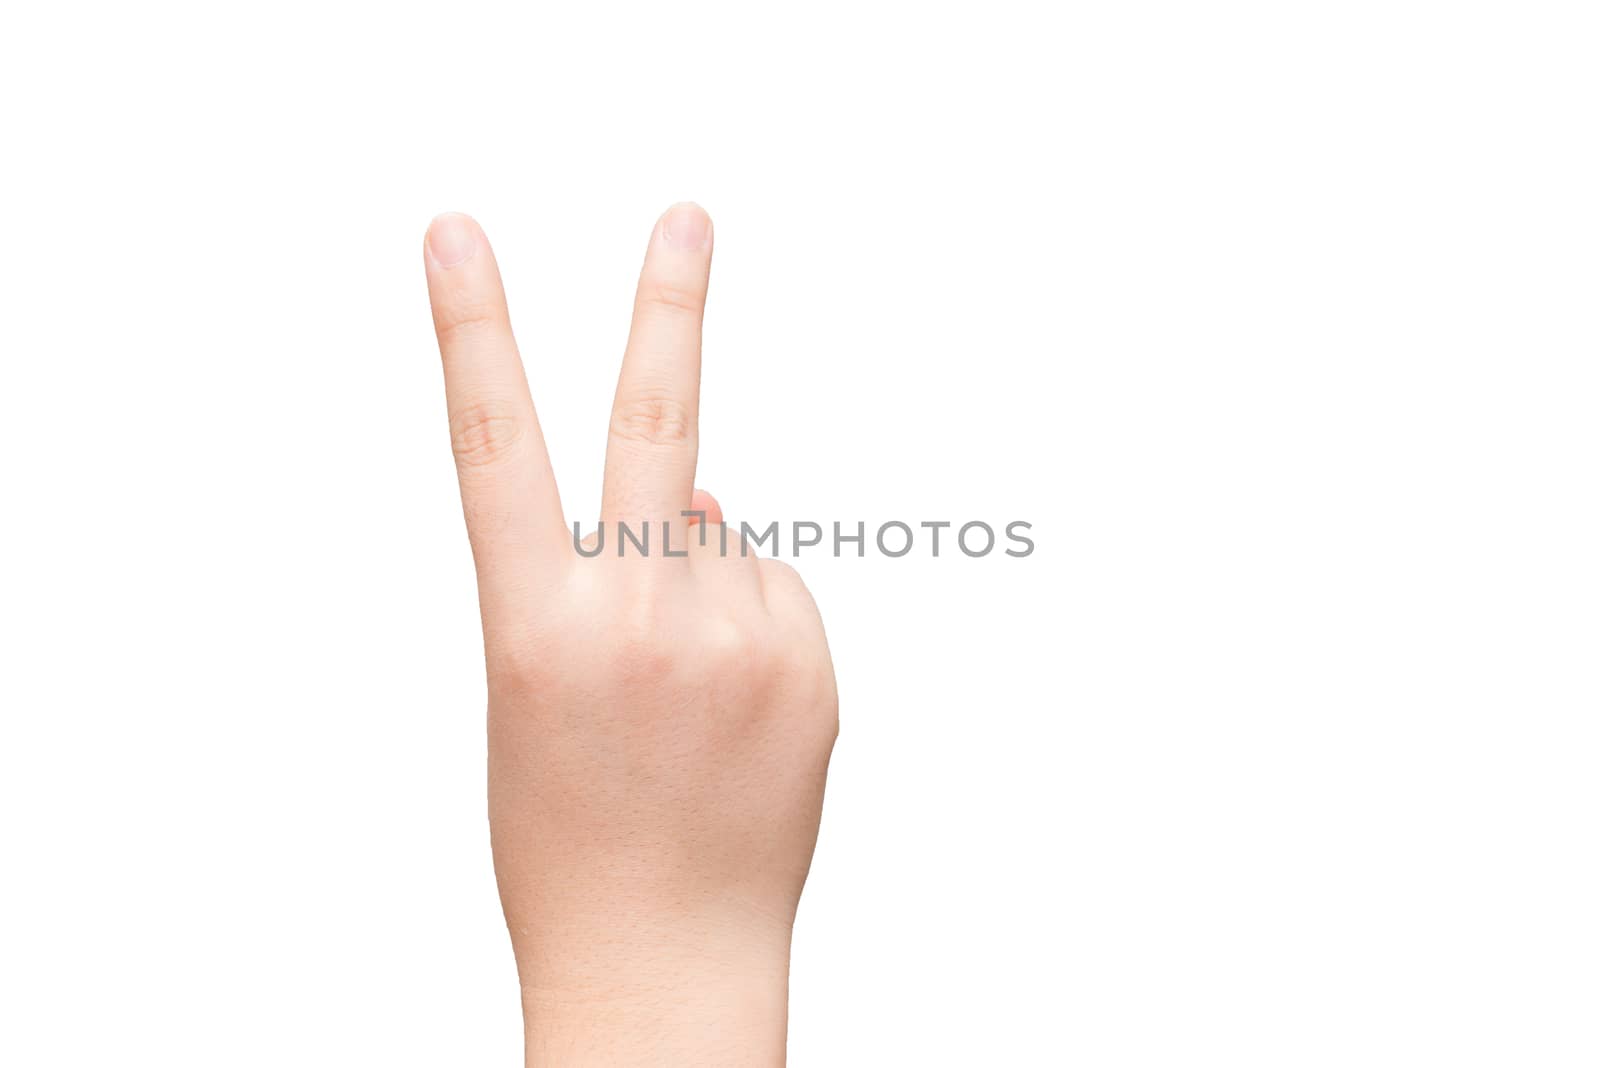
[[659, 726]]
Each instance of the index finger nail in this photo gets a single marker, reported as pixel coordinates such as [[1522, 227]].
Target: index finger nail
[[687, 227], [451, 240]]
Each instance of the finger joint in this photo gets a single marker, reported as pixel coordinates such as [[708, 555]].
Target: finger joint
[[651, 420], [482, 434], [673, 299]]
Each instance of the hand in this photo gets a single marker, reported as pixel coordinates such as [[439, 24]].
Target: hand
[[659, 726]]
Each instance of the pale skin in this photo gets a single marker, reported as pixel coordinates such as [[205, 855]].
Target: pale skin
[[659, 727]]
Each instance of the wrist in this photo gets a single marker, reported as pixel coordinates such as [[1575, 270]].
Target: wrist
[[654, 991]]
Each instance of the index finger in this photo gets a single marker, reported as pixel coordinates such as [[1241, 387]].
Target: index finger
[[654, 440]]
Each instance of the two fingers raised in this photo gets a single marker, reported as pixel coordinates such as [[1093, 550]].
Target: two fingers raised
[[508, 491]]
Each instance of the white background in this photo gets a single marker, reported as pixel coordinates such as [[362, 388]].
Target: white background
[[1278, 322]]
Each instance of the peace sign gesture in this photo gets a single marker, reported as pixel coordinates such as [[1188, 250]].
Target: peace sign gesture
[[660, 721]]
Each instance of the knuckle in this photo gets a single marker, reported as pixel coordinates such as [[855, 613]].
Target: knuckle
[[481, 434], [642, 655], [821, 695], [523, 659], [731, 646], [673, 299], [652, 419], [779, 572], [645, 663], [784, 584], [827, 705], [466, 321], [517, 673]]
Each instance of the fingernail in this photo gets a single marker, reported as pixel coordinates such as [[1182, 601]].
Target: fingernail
[[452, 239], [687, 227]]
